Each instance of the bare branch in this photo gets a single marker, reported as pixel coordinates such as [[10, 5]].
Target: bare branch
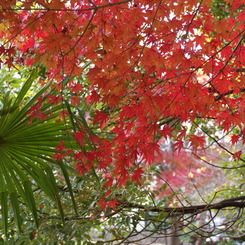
[[238, 202]]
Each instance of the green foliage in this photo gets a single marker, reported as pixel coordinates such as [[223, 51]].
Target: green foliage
[[221, 9], [26, 147]]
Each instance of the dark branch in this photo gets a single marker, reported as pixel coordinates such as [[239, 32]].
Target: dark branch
[[238, 202], [242, 90], [67, 10]]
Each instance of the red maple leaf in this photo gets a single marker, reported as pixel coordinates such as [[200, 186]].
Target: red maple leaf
[[75, 100], [197, 142], [234, 138], [54, 99], [139, 65], [137, 175], [113, 204], [178, 145], [80, 137], [167, 132], [77, 88], [237, 155], [101, 117]]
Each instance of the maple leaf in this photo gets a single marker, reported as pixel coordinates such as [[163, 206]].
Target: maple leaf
[[108, 193], [80, 137], [93, 97], [77, 88], [151, 150], [113, 204], [75, 100], [28, 44], [61, 147], [54, 99], [234, 138], [237, 155], [9, 62], [103, 204], [182, 133], [58, 156], [178, 145], [197, 142], [63, 114], [81, 169], [243, 136], [167, 132], [137, 175], [109, 182], [30, 61], [101, 117]]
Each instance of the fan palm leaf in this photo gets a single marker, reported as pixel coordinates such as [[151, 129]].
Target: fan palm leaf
[[26, 155]]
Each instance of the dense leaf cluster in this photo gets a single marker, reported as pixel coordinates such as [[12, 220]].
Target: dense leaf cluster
[[125, 115]]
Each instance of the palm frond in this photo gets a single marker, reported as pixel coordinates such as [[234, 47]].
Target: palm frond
[[26, 151]]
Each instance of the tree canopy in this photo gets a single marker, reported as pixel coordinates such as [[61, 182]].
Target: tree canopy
[[127, 115]]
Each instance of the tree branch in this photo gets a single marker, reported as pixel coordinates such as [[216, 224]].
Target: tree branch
[[67, 10], [238, 202]]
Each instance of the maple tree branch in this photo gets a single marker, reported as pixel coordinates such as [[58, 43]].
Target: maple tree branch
[[192, 19], [167, 121], [82, 35], [242, 90], [90, 1], [223, 68], [21, 30], [237, 202], [227, 62], [240, 70], [136, 63], [216, 166], [68, 10], [217, 142]]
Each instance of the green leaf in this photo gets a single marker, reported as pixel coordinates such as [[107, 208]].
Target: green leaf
[[26, 151], [65, 173], [26, 87], [15, 204], [4, 211]]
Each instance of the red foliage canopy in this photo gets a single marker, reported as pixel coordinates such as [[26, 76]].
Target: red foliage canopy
[[154, 64]]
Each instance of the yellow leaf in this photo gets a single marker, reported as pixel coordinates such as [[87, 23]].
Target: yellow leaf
[[2, 27]]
